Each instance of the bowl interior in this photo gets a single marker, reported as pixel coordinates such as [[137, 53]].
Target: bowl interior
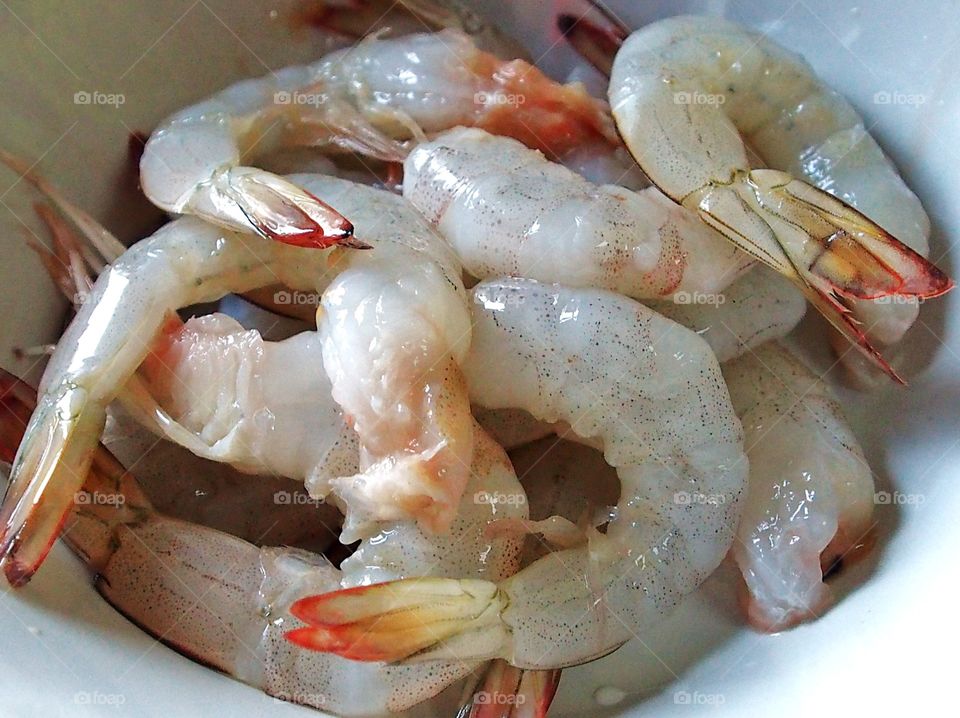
[[153, 58]]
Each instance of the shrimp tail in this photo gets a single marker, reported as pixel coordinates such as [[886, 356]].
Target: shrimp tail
[[48, 472], [281, 211], [506, 691], [89, 534], [826, 247], [411, 618], [856, 257]]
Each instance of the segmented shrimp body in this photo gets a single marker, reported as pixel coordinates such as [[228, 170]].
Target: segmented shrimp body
[[662, 418], [370, 99], [810, 497], [394, 327], [507, 211], [690, 94], [153, 568]]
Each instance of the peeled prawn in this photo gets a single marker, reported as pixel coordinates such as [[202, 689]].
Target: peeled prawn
[[226, 602], [810, 498], [370, 98], [188, 261], [689, 94], [662, 418], [507, 211]]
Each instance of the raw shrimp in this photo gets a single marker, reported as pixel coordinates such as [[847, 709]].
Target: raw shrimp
[[214, 387], [370, 99], [507, 211], [416, 440], [810, 497], [225, 602], [663, 419], [264, 510], [222, 382], [759, 307], [690, 93], [185, 262], [235, 393]]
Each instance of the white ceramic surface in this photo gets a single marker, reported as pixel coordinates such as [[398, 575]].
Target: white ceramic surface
[[886, 647]]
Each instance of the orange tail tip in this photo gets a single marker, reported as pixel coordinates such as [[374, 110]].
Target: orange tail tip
[[858, 257], [286, 213], [22, 551], [395, 620], [505, 691], [827, 248], [48, 471]]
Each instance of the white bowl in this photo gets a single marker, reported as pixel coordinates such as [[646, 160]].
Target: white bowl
[[66, 652]]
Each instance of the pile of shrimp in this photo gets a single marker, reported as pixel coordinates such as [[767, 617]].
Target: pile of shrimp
[[484, 261]]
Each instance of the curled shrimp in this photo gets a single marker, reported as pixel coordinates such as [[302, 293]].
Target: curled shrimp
[[507, 211], [810, 498], [689, 94], [370, 98], [224, 393], [185, 262], [420, 466], [153, 568], [663, 419]]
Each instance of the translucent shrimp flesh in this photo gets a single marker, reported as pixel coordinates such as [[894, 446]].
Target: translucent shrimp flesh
[[370, 99], [507, 211], [761, 306], [663, 419], [811, 493], [691, 94], [153, 569], [190, 261]]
